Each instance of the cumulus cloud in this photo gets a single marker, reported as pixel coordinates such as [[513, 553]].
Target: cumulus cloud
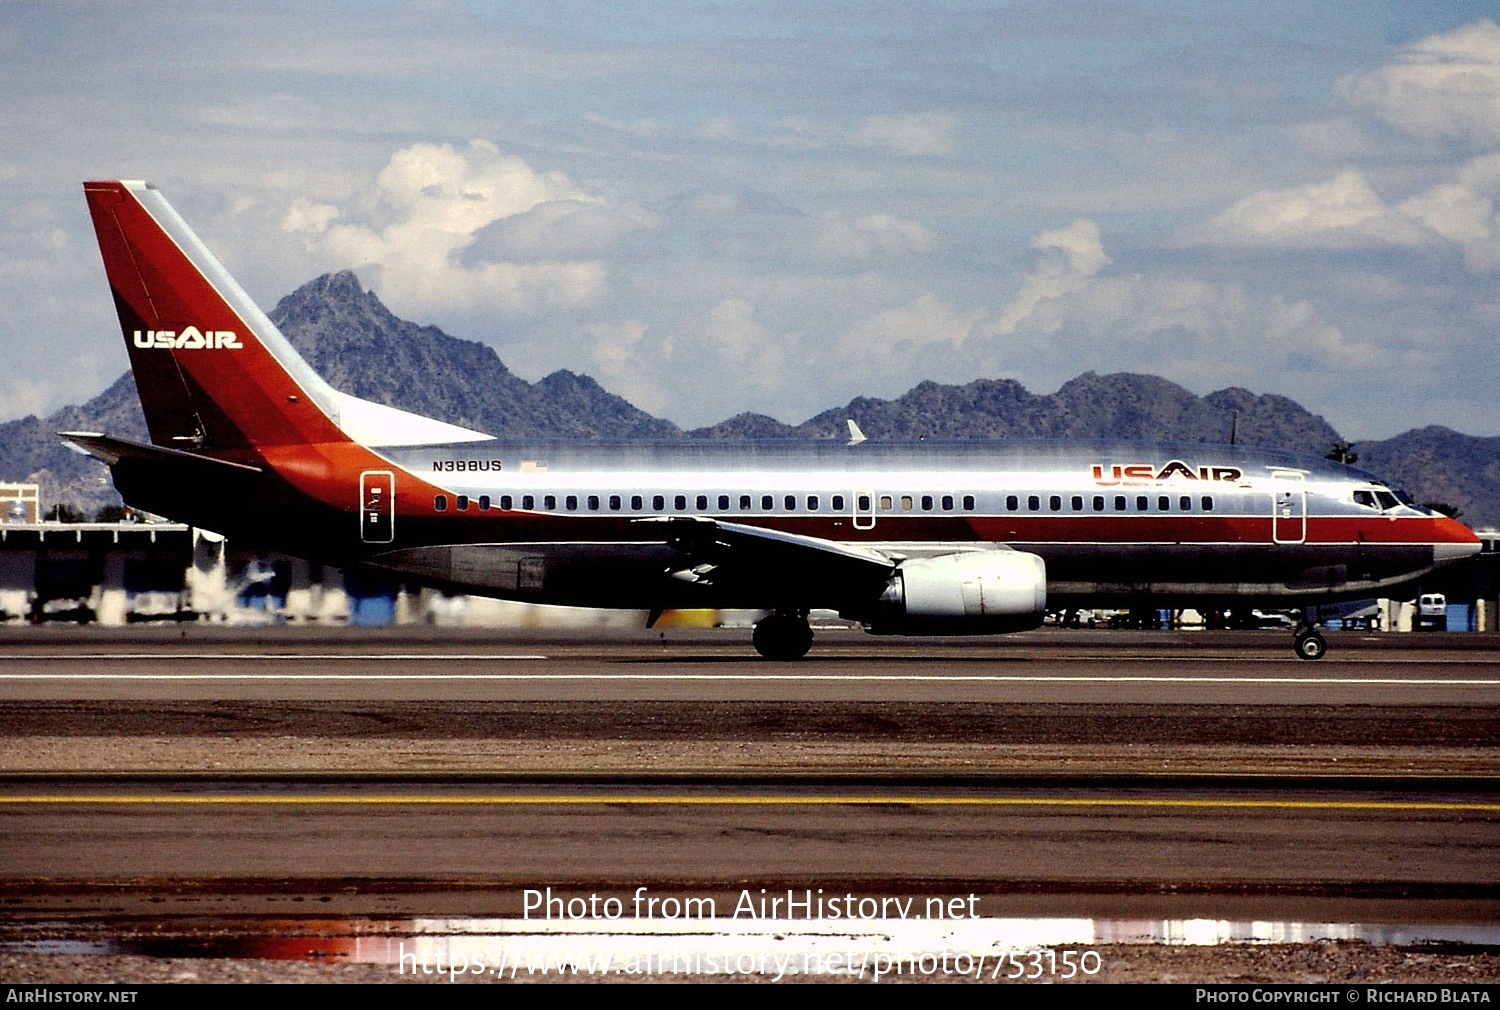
[[1066, 259], [1343, 212], [906, 331], [1445, 86], [743, 343], [1072, 313], [426, 210]]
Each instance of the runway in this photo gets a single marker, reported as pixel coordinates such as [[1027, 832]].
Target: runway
[[1080, 772]]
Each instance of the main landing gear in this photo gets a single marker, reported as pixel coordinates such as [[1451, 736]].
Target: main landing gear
[[1307, 643], [783, 635]]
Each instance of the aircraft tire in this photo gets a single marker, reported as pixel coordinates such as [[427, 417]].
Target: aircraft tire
[[783, 637], [1310, 645]]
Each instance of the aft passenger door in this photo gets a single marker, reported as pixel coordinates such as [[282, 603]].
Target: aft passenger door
[[864, 510], [377, 501], [1288, 507]]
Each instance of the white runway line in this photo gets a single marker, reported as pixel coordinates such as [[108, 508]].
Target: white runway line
[[745, 678], [282, 657]]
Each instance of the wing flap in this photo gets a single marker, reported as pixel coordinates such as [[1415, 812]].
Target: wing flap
[[724, 554]]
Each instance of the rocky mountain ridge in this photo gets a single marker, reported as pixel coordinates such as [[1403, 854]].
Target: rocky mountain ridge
[[361, 347]]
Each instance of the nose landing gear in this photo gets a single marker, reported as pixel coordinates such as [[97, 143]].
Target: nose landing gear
[[1308, 643]]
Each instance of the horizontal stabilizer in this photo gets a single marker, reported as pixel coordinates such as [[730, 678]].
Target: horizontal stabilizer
[[113, 450]]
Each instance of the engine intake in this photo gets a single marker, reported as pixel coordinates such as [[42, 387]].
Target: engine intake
[[972, 593]]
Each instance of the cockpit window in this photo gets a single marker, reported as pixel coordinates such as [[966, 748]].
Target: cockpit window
[[1365, 498], [1386, 499]]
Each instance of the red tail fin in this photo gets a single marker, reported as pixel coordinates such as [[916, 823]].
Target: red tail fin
[[214, 374], [207, 378]]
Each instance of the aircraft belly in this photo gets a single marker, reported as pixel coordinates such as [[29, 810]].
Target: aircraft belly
[[1188, 571]]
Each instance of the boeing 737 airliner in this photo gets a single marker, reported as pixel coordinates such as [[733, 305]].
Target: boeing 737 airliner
[[921, 539]]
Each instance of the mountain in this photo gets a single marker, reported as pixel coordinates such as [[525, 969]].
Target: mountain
[[1442, 465], [1127, 406], [30, 450], [361, 347]]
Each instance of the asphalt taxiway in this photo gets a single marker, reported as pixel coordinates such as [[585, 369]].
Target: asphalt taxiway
[[448, 771]]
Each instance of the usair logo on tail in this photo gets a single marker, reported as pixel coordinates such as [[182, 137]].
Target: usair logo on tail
[[189, 339]]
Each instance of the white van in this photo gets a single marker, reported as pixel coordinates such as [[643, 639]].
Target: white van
[[1432, 612]]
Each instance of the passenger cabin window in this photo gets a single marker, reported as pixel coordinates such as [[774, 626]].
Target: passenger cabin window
[[1012, 503], [812, 503], [1034, 503], [637, 502], [484, 503], [658, 502], [1098, 503], [1207, 503], [1185, 503], [790, 502], [571, 503], [885, 503], [593, 503], [528, 502], [864, 503], [838, 503], [680, 503], [906, 503], [1055, 503], [463, 503], [702, 503], [948, 503], [1119, 503], [1077, 503], [505, 502], [1164, 504], [767, 502], [549, 501], [723, 503], [1142, 503], [927, 503], [744, 503], [614, 503], [440, 503], [968, 503]]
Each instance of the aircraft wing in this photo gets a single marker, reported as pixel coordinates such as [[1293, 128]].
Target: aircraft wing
[[733, 554]]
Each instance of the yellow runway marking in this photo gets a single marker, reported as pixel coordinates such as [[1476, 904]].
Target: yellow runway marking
[[741, 801]]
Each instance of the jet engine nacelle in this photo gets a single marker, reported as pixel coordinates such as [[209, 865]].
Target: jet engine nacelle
[[973, 593]]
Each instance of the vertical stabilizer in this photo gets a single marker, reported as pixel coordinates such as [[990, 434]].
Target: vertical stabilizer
[[214, 373]]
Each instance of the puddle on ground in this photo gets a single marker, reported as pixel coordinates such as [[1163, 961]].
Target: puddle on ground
[[508, 945]]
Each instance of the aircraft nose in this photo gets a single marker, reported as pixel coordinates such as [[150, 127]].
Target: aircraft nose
[[1454, 542]]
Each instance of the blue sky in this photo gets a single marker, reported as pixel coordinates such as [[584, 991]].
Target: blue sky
[[714, 208]]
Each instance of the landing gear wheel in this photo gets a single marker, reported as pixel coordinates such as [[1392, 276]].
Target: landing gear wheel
[[782, 636], [1309, 644]]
